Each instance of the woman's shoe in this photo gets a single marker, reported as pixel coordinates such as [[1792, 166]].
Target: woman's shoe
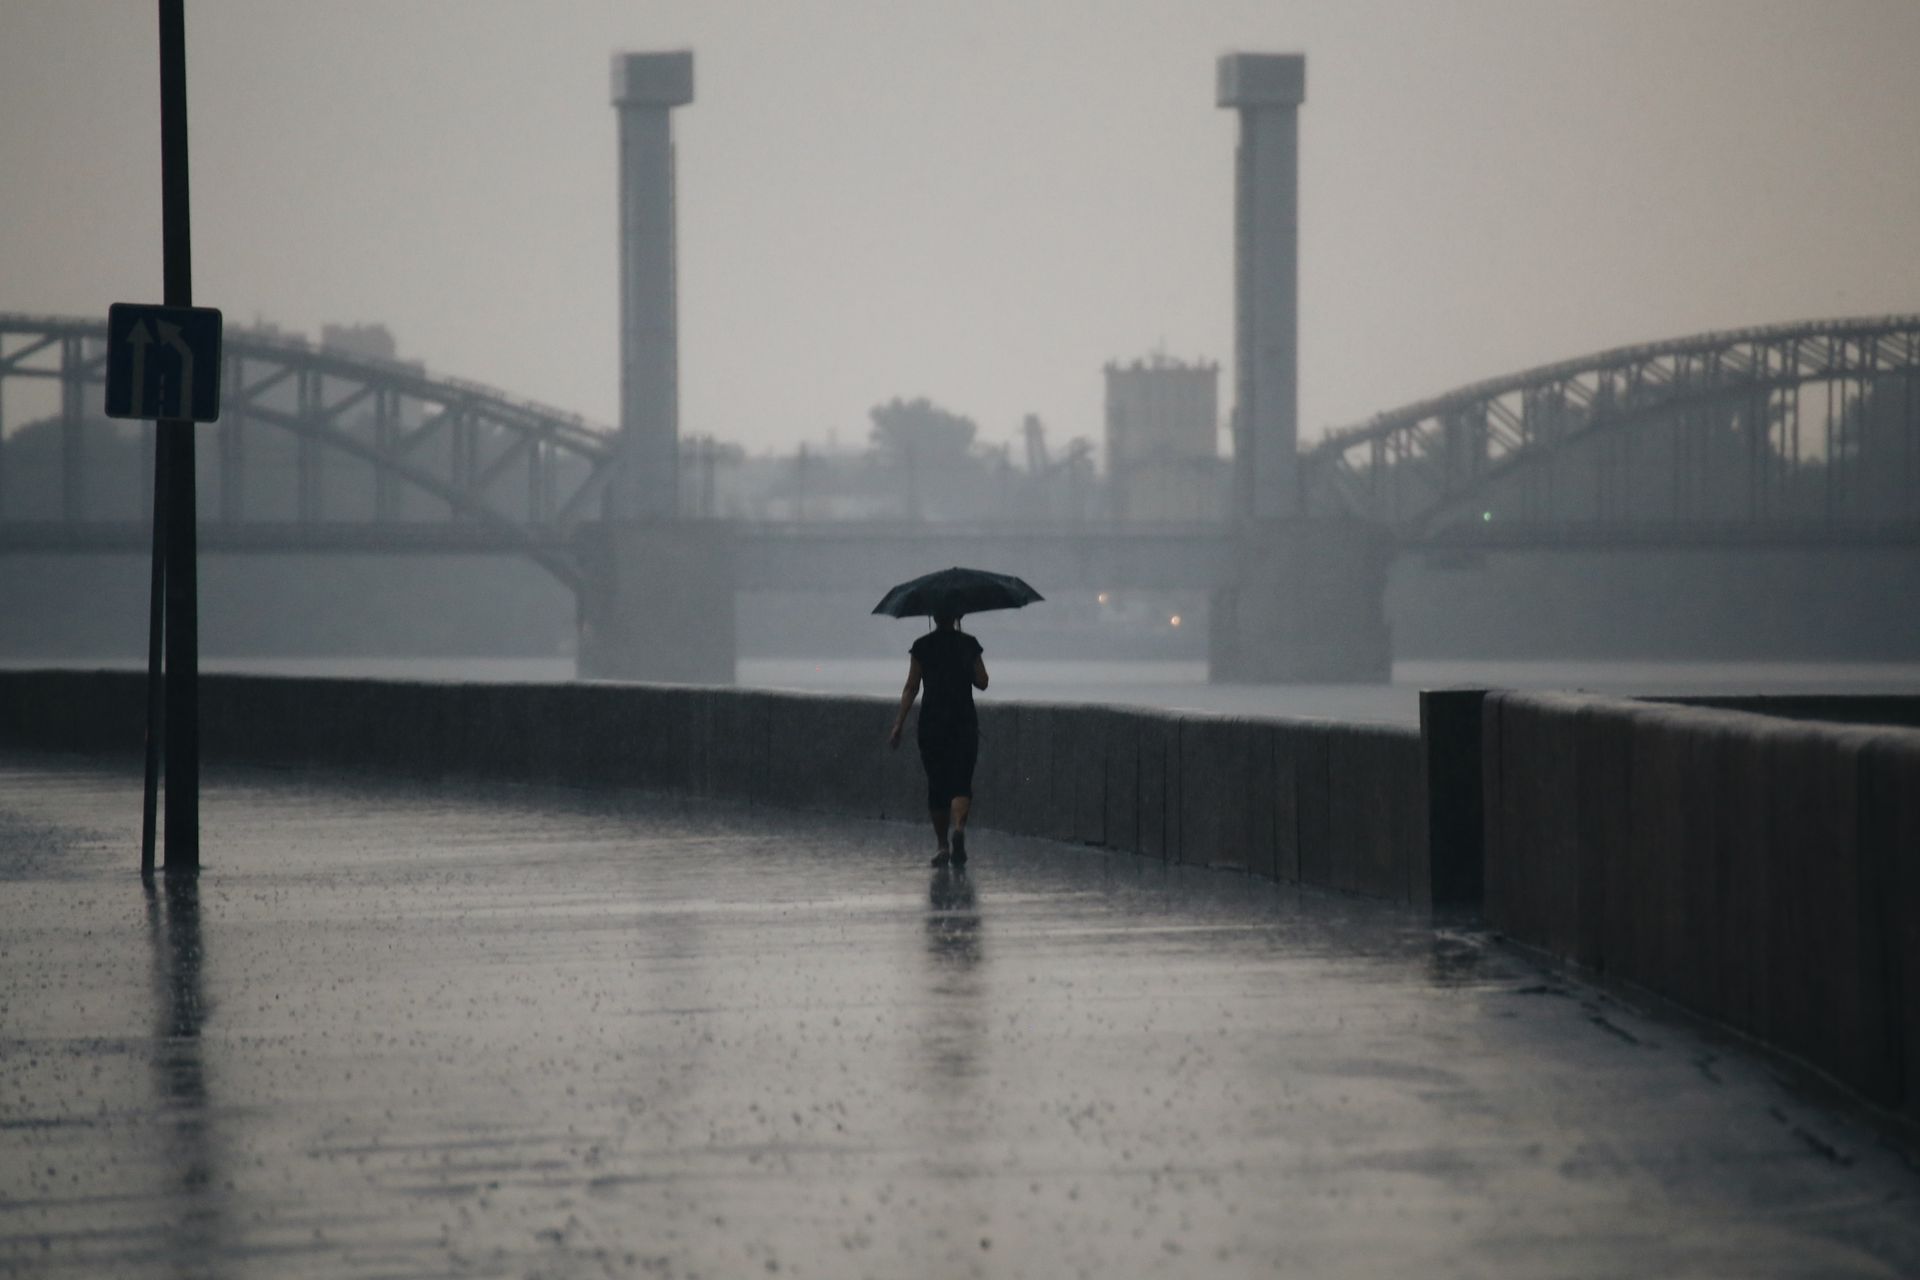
[[941, 858], [959, 848]]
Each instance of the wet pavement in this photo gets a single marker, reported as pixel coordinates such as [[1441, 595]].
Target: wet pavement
[[507, 1032]]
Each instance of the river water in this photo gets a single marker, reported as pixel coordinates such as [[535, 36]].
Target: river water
[[1176, 685]]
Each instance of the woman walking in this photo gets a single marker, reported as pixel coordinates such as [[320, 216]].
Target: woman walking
[[948, 662]]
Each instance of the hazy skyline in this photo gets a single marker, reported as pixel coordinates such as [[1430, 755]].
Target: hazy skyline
[[981, 203]]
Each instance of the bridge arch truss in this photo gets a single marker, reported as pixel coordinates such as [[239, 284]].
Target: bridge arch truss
[[1802, 432], [313, 443]]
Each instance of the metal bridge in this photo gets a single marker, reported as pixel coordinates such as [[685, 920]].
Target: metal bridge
[[1804, 434], [1796, 435], [364, 454]]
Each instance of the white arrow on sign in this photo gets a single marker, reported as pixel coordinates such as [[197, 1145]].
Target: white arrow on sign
[[170, 334], [139, 338]]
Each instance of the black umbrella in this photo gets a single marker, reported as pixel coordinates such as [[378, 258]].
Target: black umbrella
[[956, 591]]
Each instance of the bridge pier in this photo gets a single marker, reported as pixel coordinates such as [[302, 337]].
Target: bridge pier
[[656, 601], [1307, 606]]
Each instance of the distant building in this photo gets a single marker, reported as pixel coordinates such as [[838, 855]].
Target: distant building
[[374, 341], [1163, 452]]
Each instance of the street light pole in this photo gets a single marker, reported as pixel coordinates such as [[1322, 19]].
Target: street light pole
[[182, 621], [156, 655]]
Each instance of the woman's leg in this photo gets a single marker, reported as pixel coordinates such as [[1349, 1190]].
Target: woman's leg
[[959, 807], [933, 760], [965, 756]]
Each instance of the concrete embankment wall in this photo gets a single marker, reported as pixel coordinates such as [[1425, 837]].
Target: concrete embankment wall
[[1336, 805], [1763, 872], [1887, 709]]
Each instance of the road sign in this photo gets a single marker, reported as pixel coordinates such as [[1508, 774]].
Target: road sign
[[163, 362]]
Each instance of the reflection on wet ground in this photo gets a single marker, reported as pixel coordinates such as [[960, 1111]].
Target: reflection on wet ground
[[956, 1028], [180, 1080], [537, 1032]]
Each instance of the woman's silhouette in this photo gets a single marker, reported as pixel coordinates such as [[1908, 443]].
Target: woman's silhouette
[[947, 661]]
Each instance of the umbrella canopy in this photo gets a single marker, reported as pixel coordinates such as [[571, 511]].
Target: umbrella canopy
[[956, 591]]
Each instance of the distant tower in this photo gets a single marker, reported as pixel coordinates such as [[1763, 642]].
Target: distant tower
[[1267, 90], [646, 87]]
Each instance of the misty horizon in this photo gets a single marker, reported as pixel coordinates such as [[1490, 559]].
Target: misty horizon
[[979, 206]]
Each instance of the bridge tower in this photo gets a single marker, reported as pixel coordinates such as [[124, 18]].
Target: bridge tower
[[1267, 90], [646, 89], [1308, 597], [656, 597]]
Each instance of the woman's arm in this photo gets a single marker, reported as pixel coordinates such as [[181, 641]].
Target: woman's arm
[[979, 672], [907, 695]]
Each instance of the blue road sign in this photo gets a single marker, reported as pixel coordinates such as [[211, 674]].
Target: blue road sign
[[163, 362]]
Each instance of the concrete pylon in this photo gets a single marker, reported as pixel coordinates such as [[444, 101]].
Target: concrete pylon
[[656, 601], [1267, 90], [656, 591], [1308, 606], [1307, 598], [646, 88]]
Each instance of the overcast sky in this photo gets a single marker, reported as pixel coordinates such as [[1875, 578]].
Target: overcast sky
[[980, 201]]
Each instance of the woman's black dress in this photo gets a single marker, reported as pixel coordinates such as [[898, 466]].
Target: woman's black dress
[[949, 732]]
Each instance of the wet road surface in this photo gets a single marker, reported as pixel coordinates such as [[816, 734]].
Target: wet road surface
[[507, 1032]]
